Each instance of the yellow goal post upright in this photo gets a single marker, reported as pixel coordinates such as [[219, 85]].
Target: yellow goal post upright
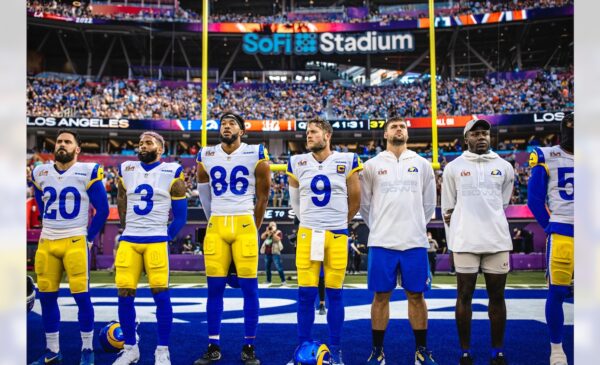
[[432, 63]]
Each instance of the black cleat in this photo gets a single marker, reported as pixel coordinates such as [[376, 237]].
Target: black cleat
[[212, 354], [249, 355], [466, 359], [498, 359]]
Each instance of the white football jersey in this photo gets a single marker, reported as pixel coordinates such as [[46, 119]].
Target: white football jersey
[[323, 188], [561, 182], [231, 177], [66, 202], [148, 189]]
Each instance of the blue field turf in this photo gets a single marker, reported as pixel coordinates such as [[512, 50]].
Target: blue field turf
[[526, 333]]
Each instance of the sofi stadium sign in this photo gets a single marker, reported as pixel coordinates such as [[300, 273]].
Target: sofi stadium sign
[[327, 43]]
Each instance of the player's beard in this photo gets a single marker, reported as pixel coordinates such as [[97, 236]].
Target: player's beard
[[65, 157], [318, 147], [147, 156], [397, 141], [231, 139]]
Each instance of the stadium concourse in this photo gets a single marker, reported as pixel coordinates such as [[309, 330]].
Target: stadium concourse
[[112, 69]]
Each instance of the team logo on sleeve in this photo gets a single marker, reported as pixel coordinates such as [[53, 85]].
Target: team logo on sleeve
[[43, 173], [341, 169], [465, 173], [210, 153], [413, 169], [302, 163], [496, 172], [130, 168], [382, 172]]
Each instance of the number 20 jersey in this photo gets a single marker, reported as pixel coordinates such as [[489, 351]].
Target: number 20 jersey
[[148, 189], [560, 168], [66, 203], [323, 188], [231, 177]]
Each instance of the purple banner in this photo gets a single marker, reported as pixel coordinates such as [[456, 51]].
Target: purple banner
[[357, 12]]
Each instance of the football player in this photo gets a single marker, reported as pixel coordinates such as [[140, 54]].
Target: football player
[[325, 194], [477, 187], [550, 197], [148, 189], [397, 201], [231, 176], [64, 191]]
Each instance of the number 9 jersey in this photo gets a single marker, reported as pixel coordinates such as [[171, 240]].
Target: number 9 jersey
[[232, 179], [148, 188], [323, 188]]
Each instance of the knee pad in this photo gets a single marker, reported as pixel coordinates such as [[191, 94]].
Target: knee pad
[[125, 279], [78, 284], [246, 257], [334, 278], [307, 277], [561, 260]]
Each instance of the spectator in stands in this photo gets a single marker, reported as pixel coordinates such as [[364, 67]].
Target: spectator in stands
[[188, 246], [432, 252], [115, 248]]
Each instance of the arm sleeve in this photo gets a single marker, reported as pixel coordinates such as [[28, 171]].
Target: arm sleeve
[[295, 201], [508, 186], [536, 195], [97, 195], [179, 207], [205, 198], [448, 190], [429, 193], [366, 194], [37, 193]]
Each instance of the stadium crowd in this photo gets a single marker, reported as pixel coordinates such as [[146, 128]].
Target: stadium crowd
[[147, 99], [80, 9]]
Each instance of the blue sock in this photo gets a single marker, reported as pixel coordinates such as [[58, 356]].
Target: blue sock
[[164, 316], [50, 312], [127, 319], [335, 316], [555, 316], [496, 351], [86, 311], [306, 311], [251, 305], [214, 307]]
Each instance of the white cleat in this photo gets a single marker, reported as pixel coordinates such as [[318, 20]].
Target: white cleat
[[558, 358], [161, 356], [129, 355]]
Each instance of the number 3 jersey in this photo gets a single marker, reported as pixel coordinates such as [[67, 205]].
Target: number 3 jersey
[[323, 188], [66, 202], [231, 177], [148, 189]]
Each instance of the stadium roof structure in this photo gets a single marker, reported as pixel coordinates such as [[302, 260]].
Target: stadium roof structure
[[97, 50]]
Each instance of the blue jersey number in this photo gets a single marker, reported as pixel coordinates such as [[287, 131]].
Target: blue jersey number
[[238, 184], [324, 190], [147, 194], [50, 213], [566, 184]]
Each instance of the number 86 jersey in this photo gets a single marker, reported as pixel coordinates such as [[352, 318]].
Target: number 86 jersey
[[231, 177], [323, 188]]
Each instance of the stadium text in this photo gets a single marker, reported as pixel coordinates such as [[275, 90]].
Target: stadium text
[[77, 122], [327, 43]]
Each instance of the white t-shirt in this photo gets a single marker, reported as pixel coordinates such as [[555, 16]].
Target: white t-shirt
[[231, 177], [478, 188], [323, 188], [66, 202], [398, 199]]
